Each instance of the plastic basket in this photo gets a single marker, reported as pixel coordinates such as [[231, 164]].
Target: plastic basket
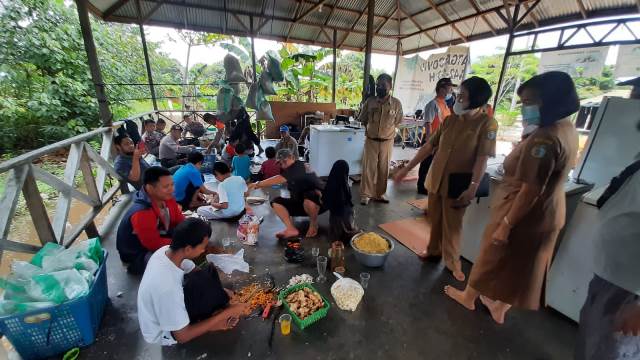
[[51, 331], [310, 320]]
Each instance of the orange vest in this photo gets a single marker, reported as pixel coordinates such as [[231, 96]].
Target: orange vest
[[444, 111]]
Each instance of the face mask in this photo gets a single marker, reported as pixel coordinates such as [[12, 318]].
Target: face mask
[[459, 108], [528, 129], [531, 114], [381, 92], [448, 97]]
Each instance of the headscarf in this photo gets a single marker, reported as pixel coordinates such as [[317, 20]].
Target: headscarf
[[337, 194]]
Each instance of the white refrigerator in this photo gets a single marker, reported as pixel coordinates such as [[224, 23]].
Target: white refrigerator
[[329, 143]]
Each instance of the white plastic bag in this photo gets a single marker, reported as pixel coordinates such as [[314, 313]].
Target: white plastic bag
[[228, 263], [347, 293]]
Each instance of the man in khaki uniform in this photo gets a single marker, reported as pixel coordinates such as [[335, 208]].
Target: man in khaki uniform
[[287, 142], [380, 115]]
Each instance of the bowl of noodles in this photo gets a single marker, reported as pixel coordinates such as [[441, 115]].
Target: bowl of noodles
[[371, 249]]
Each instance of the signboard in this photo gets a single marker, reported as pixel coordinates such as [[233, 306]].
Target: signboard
[[576, 62], [416, 79], [628, 62]]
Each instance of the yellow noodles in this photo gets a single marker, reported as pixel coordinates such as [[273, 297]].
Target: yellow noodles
[[372, 243]]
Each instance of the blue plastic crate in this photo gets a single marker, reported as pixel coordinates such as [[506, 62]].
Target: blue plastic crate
[[51, 331]]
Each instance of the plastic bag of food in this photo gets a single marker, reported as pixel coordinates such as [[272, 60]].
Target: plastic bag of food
[[233, 70], [264, 111], [84, 255], [8, 307], [266, 83], [252, 96], [49, 249], [273, 65], [57, 287], [248, 229], [347, 293], [224, 99]]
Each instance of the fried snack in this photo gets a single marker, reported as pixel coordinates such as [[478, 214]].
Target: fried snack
[[255, 297], [304, 302], [372, 243]]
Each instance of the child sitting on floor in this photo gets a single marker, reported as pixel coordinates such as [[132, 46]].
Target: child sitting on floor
[[241, 163], [270, 168], [229, 152], [229, 200], [336, 198]]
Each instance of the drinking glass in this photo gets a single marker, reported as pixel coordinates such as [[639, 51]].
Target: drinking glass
[[322, 268], [285, 324], [364, 279], [315, 251]]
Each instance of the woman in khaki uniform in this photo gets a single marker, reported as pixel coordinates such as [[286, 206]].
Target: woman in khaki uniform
[[528, 208], [464, 143]]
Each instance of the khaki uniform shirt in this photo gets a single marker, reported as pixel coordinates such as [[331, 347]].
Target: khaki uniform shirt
[[289, 143], [381, 119], [543, 159], [458, 142]]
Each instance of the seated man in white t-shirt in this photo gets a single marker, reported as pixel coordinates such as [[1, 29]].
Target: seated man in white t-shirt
[[164, 307], [229, 200]]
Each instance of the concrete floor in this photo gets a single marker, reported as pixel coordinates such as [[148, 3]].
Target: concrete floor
[[404, 314]]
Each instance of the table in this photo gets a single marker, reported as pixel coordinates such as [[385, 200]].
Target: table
[[410, 131]]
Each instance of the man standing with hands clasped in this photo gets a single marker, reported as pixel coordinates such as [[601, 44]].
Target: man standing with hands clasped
[[380, 115]]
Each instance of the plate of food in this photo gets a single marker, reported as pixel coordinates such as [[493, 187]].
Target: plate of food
[[255, 200]]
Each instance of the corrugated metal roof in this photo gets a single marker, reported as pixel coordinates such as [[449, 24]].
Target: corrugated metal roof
[[283, 19]]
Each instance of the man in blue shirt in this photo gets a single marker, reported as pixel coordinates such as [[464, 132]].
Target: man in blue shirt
[[231, 191], [188, 183], [129, 162]]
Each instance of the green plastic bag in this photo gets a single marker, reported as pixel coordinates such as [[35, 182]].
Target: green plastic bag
[[49, 249], [266, 83], [233, 70], [8, 307], [264, 111], [58, 287], [224, 99], [273, 65], [84, 255], [251, 98]]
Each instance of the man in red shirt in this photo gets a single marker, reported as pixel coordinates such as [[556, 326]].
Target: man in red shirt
[[434, 114], [149, 223]]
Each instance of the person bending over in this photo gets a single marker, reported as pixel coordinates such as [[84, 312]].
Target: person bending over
[[306, 194], [150, 221], [189, 184], [229, 201], [170, 313]]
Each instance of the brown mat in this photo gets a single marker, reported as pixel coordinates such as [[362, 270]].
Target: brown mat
[[412, 233], [421, 204]]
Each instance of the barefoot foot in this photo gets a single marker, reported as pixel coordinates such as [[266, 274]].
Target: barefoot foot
[[459, 275], [496, 309], [312, 232], [288, 233], [459, 297]]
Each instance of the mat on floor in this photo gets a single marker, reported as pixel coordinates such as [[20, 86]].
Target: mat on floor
[[412, 233], [420, 204]]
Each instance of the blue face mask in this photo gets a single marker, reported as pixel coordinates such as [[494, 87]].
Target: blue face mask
[[531, 114], [449, 96]]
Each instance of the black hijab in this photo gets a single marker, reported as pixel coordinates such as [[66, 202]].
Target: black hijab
[[337, 194]]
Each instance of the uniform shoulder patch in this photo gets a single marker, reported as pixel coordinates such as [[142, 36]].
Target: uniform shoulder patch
[[539, 151]]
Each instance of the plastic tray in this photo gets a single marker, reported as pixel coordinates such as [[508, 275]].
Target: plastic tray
[[310, 320]]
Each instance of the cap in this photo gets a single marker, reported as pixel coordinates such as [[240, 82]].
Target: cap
[[176, 127], [445, 82], [632, 82], [284, 128]]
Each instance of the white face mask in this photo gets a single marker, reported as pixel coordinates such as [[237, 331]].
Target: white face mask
[[458, 108], [528, 129]]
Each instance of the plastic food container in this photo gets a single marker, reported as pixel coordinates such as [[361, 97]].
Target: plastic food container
[[309, 320]]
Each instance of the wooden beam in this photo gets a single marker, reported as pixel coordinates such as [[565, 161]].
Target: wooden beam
[[421, 30], [377, 31], [326, 21], [9, 200], [15, 246], [308, 12], [64, 199], [105, 153], [324, 32], [583, 11], [62, 187], [502, 17], [483, 17], [37, 210], [152, 11], [98, 159], [246, 29], [89, 179], [446, 18], [291, 24], [353, 26], [113, 8], [530, 13]]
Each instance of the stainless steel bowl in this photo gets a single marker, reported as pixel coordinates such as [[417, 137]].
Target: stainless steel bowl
[[371, 260]]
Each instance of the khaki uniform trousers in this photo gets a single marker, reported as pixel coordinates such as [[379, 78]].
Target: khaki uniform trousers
[[375, 167], [446, 230]]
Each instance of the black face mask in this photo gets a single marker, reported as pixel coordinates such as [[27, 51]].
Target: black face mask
[[381, 92]]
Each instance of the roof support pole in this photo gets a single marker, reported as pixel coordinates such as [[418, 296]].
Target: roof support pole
[[507, 54], [146, 57], [94, 66], [398, 54], [333, 68], [253, 50], [367, 55]]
